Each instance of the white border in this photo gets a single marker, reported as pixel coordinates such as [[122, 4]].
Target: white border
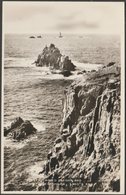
[[2, 108], [122, 163], [122, 126]]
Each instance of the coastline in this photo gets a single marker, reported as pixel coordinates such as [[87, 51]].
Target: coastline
[[87, 78], [41, 97]]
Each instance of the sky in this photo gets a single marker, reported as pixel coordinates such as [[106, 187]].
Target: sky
[[65, 17]]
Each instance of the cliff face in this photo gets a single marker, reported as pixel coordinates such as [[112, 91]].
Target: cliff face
[[89, 145]]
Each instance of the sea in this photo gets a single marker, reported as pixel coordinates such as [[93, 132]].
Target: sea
[[35, 94], [32, 92]]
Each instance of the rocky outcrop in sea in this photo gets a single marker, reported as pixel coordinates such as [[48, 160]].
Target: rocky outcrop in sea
[[19, 129], [86, 155], [52, 58]]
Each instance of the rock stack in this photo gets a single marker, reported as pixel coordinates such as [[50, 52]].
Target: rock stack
[[51, 57], [19, 129]]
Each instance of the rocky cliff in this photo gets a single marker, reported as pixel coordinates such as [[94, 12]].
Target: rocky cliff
[[86, 155]]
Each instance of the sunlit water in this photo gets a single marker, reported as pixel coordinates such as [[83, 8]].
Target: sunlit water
[[28, 91], [35, 94]]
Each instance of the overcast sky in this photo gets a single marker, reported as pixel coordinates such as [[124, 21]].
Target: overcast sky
[[66, 17]]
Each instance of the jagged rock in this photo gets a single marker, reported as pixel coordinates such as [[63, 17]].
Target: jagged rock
[[66, 64], [17, 122], [52, 58], [20, 129], [27, 127], [110, 64]]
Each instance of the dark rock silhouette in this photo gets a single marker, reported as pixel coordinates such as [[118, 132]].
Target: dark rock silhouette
[[20, 129], [32, 37], [16, 123], [110, 64], [51, 57], [115, 184]]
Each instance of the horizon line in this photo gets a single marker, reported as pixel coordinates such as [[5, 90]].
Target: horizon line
[[63, 33]]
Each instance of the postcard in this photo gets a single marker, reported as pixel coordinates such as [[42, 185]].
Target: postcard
[[62, 97]]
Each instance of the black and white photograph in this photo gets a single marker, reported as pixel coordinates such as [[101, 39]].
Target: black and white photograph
[[62, 97]]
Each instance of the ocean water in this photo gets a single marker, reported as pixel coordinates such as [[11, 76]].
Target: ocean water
[[35, 94], [27, 88]]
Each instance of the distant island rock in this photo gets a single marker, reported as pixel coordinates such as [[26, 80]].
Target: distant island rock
[[52, 58], [19, 129], [32, 37]]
